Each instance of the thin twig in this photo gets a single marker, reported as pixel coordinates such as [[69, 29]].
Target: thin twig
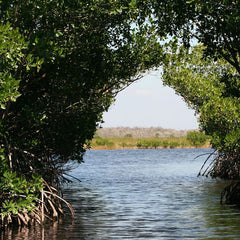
[[42, 212]]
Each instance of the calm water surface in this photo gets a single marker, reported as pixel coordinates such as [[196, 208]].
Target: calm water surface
[[142, 194]]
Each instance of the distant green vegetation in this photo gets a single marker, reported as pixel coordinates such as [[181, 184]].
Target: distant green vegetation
[[104, 142], [165, 143], [193, 139], [197, 138]]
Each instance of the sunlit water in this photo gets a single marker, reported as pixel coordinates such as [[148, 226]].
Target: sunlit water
[[142, 194]]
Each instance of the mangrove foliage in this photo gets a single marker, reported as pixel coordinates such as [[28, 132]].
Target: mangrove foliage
[[63, 62], [203, 67]]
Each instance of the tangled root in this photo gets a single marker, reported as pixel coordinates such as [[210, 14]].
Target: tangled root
[[49, 207], [224, 166]]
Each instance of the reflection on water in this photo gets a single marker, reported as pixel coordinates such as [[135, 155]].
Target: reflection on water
[[141, 194]]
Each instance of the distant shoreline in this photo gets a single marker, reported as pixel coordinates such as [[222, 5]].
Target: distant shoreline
[[99, 143], [129, 148]]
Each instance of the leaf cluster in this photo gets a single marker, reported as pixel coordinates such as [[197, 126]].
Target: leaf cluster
[[17, 193], [12, 54]]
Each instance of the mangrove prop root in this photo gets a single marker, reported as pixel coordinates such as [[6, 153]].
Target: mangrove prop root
[[48, 207], [208, 168], [225, 166], [68, 204], [55, 214]]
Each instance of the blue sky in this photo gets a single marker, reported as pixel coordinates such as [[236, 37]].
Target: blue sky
[[147, 103]]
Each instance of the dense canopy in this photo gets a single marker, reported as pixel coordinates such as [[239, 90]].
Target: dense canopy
[[62, 64], [87, 52]]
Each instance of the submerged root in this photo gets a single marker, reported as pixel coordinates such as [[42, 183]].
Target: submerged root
[[231, 193]]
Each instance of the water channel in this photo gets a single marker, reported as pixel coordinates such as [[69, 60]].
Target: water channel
[[141, 194]]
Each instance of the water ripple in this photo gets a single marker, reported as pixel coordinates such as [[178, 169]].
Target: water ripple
[[142, 194]]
